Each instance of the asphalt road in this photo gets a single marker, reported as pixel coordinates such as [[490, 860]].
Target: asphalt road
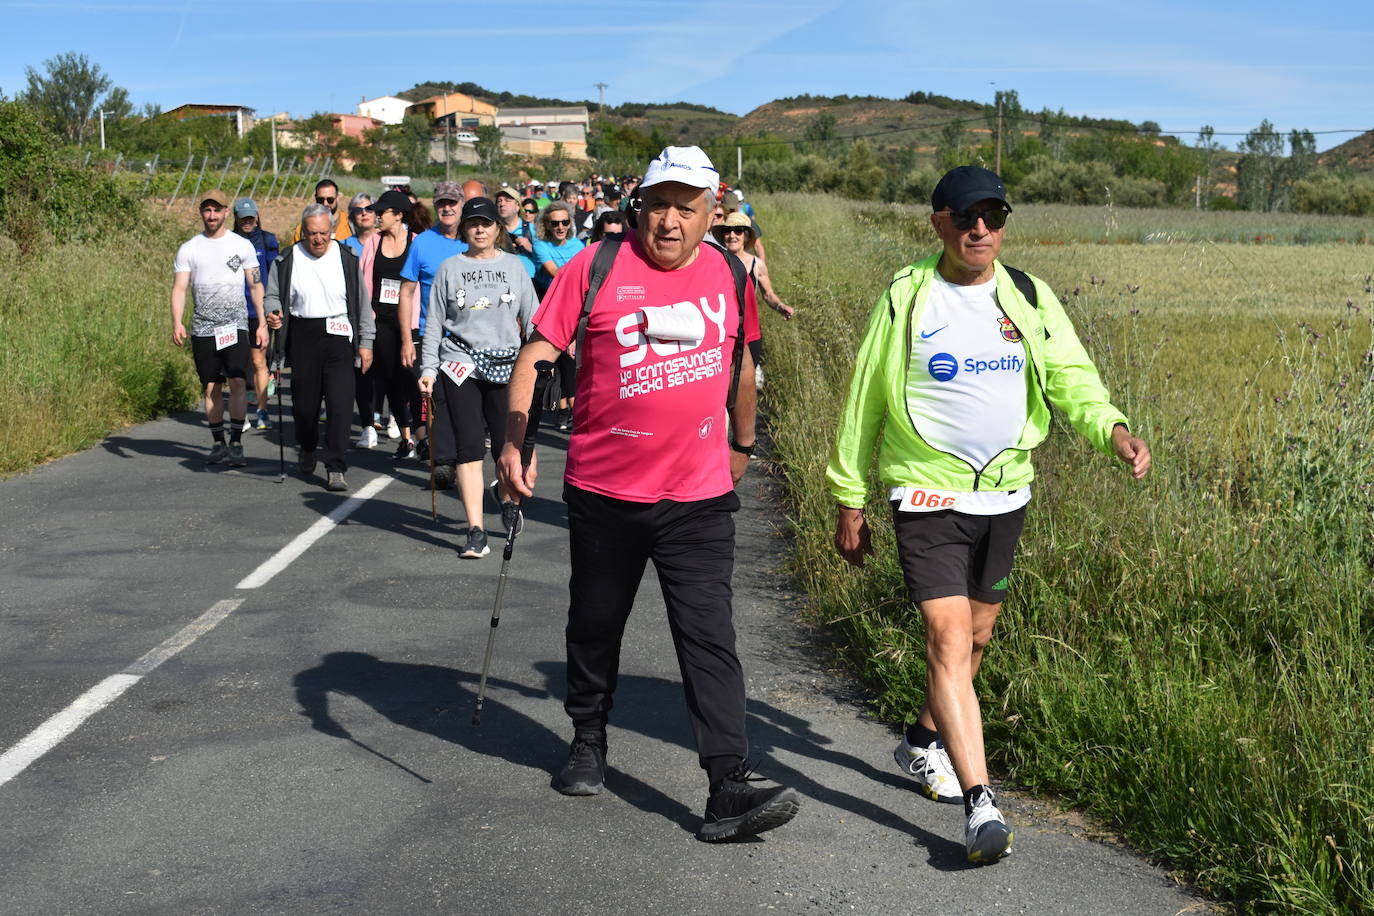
[[311, 749]]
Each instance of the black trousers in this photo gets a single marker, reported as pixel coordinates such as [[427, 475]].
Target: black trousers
[[390, 377], [321, 367], [465, 415], [692, 545]]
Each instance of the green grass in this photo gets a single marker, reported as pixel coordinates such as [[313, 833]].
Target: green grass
[[87, 343], [1190, 657]]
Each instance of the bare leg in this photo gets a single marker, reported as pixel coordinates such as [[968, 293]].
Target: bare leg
[[260, 375], [214, 403], [238, 399], [957, 632], [470, 490]]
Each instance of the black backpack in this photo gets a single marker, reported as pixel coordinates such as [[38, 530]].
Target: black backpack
[[601, 268]]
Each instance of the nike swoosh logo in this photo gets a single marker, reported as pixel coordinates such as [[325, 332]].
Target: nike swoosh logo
[[925, 336]]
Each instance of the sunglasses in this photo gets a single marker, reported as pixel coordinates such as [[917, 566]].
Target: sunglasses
[[325, 200], [560, 222], [530, 211], [964, 220], [733, 230]]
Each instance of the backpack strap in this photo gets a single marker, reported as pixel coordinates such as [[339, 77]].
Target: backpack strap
[[1026, 285], [600, 270], [741, 280]]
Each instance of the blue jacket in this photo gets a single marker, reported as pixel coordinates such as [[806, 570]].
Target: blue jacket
[[266, 245]]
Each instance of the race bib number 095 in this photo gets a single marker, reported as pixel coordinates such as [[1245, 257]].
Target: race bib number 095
[[226, 336]]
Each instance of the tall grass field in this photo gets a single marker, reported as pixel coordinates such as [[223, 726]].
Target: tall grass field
[[1188, 657]]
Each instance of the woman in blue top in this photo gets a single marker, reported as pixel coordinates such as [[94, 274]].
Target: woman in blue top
[[556, 245]]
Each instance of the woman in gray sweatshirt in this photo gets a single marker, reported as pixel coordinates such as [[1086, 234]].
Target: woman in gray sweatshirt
[[480, 307]]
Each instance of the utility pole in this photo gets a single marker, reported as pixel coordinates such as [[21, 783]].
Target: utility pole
[[739, 164], [102, 128], [274, 147], [448, 133], [601, 103], [999, 134]]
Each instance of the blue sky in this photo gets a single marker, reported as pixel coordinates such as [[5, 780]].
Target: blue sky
[[1181, 64]]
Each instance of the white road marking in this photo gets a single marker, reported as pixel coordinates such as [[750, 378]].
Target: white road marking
[[52, 732], [301, 543]]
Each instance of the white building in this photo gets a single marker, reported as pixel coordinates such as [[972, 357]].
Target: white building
[[534, 131], [388, 109]]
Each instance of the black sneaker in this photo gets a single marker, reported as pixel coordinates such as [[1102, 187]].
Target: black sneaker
[[218, 453], [477, 546], [307, 462], [585, 771], [444, 476], [405, 450], [737, 809], [422, 449]]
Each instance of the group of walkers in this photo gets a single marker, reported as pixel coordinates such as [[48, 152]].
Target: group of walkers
[[657, 319]]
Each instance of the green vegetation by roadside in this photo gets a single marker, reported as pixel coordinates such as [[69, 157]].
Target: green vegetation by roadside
[[1190, 657]]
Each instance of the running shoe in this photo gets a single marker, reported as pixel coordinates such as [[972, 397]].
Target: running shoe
[[247, 424], [271, 384], [477, 546], [392, 430], [585, 771], [262, 419], [422, 449], [236, 459], [218, 452], [367, 438], [737, 809], [336, 483], [934, 773], [987, 837], [405, 450]]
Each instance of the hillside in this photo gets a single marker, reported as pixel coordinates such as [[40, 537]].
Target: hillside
[[1356, 153], [886, 122]]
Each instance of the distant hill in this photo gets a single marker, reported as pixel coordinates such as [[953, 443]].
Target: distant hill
[[1356, 153]]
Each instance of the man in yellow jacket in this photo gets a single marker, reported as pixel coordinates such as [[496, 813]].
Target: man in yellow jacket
[[327, 195], [959, 364]]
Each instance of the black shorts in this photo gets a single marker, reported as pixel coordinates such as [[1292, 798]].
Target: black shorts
[[213, 365], [948, 553], [253, 323]]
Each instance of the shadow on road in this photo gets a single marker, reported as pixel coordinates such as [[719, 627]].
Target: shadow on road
[[439, 701]]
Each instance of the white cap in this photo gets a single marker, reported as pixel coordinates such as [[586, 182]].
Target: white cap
[[687, 165]]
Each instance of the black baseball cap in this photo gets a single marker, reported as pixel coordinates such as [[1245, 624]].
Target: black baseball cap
[[392, 200], [964, 186], [479, 208]]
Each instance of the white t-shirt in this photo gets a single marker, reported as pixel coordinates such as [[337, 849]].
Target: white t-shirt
[[218, 268], [966, 383], [317, 284]]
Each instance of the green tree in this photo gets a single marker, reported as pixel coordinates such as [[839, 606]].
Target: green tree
[[1207, 148], [489, 148], [66, 95], [556, 166], [1258, 171], [950, 151], [819, 136], [1012, 117]]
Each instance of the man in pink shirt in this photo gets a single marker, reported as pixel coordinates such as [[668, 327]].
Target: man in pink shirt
[[651, 475]]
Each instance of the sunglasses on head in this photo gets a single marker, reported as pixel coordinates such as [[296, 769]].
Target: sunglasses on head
[[964, 220]]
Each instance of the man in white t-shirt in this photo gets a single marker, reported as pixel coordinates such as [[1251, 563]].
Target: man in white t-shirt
[[324, 329], [958, 366], [215, 265]]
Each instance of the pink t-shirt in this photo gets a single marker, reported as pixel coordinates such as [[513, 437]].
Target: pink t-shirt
[[649, 420]]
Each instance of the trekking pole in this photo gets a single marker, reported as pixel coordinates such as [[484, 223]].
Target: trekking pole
[[277, 361], [433, 496], [514, 523]]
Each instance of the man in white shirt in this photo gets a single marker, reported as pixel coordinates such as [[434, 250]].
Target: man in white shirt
[[215, 265], [315, 297]]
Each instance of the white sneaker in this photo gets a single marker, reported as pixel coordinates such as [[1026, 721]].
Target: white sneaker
[[392, 430], [934, 773], [367, 438], [987, 837]]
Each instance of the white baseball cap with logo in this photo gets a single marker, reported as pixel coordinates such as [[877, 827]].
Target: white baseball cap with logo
[[687, 165]]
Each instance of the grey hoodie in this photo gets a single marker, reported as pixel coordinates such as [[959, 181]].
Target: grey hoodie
[[476, 304]]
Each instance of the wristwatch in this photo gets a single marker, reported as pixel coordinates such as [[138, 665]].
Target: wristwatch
[[746, 450]]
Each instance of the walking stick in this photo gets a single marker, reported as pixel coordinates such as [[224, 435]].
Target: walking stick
[[514, 523], [275, 367], [433, 498]]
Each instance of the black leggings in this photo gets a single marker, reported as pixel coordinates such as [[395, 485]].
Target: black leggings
[[465, 415], [387, 372]]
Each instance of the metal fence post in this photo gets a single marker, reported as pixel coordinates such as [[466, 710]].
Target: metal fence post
[[152, 170], [115, 170], [205, 160], [244, 177], [252, 192], [290, 168], [225, 174], [180, 182]]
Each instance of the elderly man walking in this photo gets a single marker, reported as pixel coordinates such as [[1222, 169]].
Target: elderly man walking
[[961, 360], [315, 303], [651, 471]]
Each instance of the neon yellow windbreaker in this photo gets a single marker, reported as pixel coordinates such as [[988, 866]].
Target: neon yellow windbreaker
[[1060, 373]]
